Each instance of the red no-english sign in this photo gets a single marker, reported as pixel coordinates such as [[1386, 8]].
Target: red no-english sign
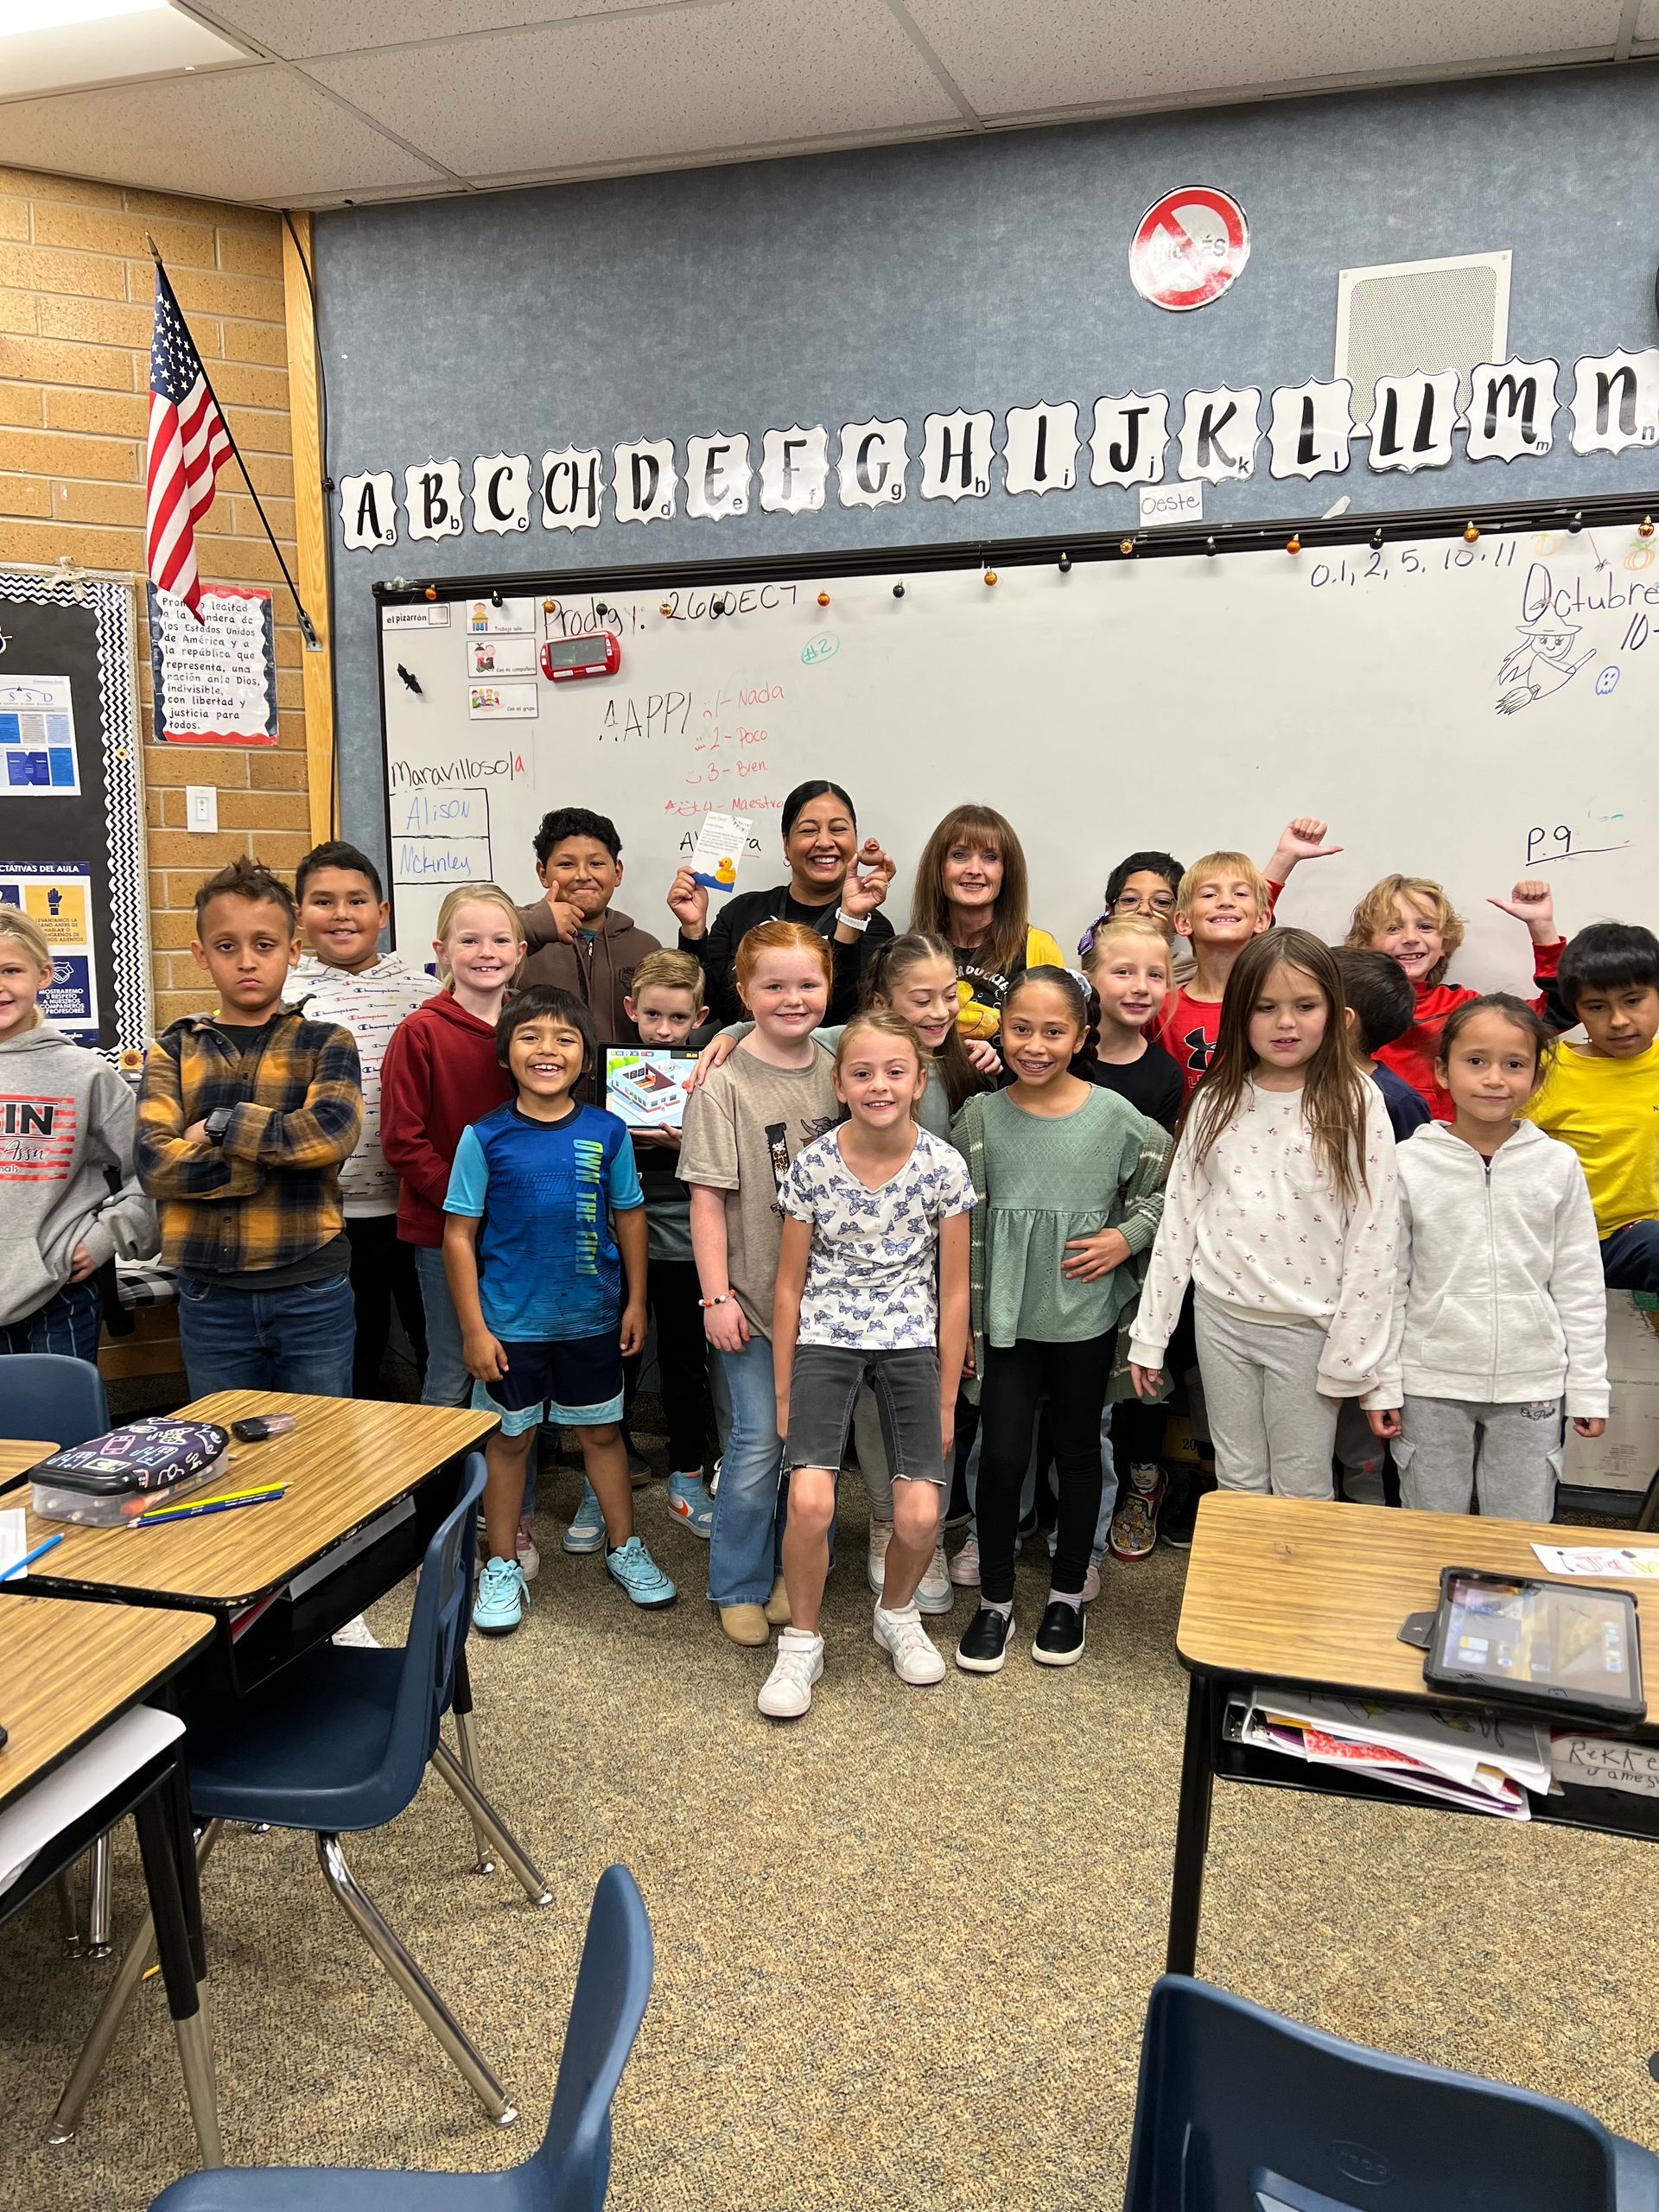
[[1188, 247]]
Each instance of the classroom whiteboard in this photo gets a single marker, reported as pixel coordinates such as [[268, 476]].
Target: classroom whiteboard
[[1473, 713]]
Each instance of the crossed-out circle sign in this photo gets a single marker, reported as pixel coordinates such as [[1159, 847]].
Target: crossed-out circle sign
[[1188, 247]]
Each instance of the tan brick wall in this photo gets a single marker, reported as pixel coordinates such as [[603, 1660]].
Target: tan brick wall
[[76, 287]]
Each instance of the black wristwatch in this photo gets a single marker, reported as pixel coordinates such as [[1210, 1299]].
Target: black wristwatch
[[216, 1122]]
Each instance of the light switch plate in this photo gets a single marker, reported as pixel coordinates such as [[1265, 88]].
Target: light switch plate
[[200, 806]]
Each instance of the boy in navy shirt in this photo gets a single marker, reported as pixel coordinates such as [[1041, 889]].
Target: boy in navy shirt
[[1383, 1005], [544, 1222]]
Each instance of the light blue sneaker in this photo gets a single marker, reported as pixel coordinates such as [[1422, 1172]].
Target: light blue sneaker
[[690, 1505], [632, 1566], [587, 1532], [502, 1597]]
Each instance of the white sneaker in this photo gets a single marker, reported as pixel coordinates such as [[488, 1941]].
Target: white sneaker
[[787, 1694], [1091, 1583], [530, 1560], [876, 1565], [964, 1567], [915, 1657], [933, 1592]]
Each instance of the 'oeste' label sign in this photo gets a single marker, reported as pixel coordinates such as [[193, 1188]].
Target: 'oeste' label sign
[[1188, 247]]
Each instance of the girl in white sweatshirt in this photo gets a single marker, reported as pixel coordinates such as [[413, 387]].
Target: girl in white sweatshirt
[[1281, 1211], [1500, 1310], [69, 1199]]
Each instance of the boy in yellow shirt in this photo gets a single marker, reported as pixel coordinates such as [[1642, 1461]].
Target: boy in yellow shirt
[[1602, 1097]]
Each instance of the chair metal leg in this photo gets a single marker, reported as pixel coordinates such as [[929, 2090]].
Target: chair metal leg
[[483, 1864], [136, 1962], [194, 2038], [427, 2004], [484, 1817], [68, 1911], [98, 1899]]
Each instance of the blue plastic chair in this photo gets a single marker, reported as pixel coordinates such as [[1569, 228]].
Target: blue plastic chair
[[1238, 2110], [569, 2173], [339, 1743], [49, 1395]]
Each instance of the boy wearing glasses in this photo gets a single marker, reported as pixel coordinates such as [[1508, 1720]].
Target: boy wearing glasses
[[1146, 884]]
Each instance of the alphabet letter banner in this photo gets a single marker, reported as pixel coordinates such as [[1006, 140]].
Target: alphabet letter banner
[[1414, 416]]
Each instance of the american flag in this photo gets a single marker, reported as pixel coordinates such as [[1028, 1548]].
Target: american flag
[[187, 446]]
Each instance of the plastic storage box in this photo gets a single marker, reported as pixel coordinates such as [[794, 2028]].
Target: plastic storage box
[[113, 1478]]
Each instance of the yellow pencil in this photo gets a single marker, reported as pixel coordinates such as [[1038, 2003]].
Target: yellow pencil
[[219, 1497]]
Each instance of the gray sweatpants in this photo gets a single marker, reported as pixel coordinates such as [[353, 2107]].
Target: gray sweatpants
[[1271, 1428], [1510, 1455]]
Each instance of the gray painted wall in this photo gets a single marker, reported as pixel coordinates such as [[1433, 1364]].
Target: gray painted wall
[[987, 272]]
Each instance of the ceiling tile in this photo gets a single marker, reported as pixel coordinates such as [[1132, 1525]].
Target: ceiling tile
[[262, 133], [647, 86], [1017, 57], [1646, 23], [295, 29]]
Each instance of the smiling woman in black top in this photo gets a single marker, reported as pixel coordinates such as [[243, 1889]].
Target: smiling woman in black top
[[833, 887]]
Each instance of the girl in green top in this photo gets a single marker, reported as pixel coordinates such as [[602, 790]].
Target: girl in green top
[[1070, 1177]]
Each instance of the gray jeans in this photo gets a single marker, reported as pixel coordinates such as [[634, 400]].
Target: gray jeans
[[1271, 1428], [1510, 1456]]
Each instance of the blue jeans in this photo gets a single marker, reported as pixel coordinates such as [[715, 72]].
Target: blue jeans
[[445, 1382], [1630, 1257], [746, 1540], [296, 1339], [68, 1324], [448, 1382]]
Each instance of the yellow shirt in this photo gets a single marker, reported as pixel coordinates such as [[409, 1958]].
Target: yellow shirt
[[1608, 1111], [980, 990]]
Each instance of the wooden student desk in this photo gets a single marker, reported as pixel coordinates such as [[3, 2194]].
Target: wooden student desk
[[1312, 1596], [66, 1671], [347, 1462], [17, 1456]]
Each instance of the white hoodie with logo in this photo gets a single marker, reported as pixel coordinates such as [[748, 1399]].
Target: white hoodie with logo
[[1499, 1297]]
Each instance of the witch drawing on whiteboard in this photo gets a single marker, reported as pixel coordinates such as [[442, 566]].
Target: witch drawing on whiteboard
[[1540, 664]]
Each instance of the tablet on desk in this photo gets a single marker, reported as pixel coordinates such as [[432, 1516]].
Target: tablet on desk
[[644, 1084], [1554, 1647]]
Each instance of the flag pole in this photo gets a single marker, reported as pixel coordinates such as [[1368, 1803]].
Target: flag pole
[[308, 628]]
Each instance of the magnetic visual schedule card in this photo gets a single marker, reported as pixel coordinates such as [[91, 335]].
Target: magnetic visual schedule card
[[37, 736]]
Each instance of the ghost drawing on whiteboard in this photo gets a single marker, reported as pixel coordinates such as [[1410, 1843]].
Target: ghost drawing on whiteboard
[[1541, 665]]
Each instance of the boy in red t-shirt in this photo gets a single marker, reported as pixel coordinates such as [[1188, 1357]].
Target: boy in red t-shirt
[[1413, 922], [1222, 901]]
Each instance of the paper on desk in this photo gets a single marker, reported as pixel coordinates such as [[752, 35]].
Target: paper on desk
[[103, 1764], [1602, 1562], [1455, 1743], [13, 1538], [1605, 1763]]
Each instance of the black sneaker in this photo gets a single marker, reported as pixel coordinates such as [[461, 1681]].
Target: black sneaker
[[1059, 1641], [1181, 1508], [985, 1642]]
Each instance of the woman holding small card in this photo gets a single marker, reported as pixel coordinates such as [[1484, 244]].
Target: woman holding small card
[[835, 886]]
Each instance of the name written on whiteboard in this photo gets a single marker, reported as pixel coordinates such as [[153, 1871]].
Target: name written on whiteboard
[[508, 767]]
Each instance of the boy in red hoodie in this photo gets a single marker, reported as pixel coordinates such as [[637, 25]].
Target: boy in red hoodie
[[441, 1073], [1413, 922]]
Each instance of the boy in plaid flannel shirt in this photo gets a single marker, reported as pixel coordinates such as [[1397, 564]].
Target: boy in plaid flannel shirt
[[244, 1116]]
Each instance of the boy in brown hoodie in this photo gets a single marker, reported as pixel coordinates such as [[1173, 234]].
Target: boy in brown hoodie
[[577, 941]]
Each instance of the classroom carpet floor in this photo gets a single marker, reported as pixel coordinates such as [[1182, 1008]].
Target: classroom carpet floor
[[903, 1946]]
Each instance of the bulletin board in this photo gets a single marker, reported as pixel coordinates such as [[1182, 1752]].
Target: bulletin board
[[72, 802]]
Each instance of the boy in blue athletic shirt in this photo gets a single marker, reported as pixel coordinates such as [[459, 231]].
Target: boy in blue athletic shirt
[[544, 1223]]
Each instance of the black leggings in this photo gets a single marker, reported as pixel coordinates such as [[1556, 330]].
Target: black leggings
[[671, 1293], [1073, 1377]]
